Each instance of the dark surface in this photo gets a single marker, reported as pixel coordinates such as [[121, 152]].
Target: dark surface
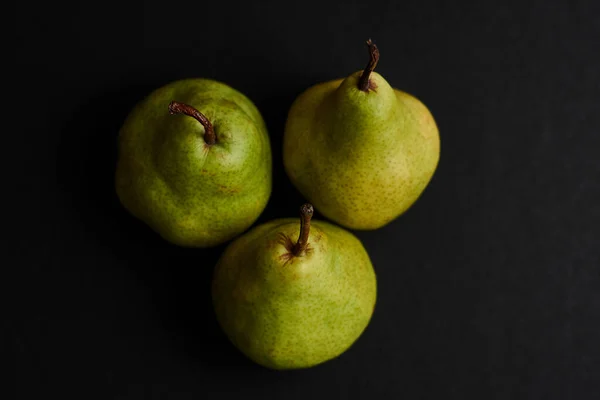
[[489, 287]]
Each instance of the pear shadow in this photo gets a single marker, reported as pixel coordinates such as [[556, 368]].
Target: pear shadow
[[177, 278], [285, 199]]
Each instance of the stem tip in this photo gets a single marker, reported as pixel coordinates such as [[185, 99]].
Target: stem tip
[[363, 82], [306, 213]]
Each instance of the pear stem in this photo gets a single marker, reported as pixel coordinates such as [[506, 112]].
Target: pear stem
[[306, 213], [180, 108], [363, 81]]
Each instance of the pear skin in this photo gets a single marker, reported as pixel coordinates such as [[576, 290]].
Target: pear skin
[[290, 304], [361, 151]]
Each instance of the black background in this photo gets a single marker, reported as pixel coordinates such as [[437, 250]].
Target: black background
[[489, 287]]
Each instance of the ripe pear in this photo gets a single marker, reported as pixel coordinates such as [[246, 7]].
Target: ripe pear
[[361, 151], [194, 162], [294, 304]]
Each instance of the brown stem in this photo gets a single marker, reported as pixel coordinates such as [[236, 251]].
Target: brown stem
[[306, 213], [363, 81], [180, 108]]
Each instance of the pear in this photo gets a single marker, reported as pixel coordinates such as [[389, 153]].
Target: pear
[[199, 177], [294, 304], [361, 151]]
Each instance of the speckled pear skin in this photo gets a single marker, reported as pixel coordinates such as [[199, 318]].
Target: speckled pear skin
[[193, 194], [361, 158], [287, 312]]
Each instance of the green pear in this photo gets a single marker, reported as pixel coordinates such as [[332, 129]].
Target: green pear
[[361, 151], [199, 177], [294, 304]]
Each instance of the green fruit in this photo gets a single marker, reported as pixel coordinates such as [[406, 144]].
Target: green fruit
[[201, 178], [289, 304], [361, 151]]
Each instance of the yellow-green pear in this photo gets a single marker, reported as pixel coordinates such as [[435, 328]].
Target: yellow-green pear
[[195, 162], [289, 303], [361, 151]]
